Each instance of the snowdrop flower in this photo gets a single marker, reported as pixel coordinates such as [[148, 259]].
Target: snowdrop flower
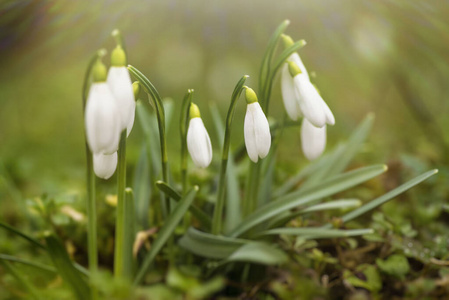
[[105, 165], [120, 84], [256, 128], [309, 101], [198, 141], [313, 140], [102, 119]]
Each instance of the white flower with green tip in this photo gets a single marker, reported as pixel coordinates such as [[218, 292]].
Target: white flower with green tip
[[198, 141], [121, 86], [256, 128], [102, 118]]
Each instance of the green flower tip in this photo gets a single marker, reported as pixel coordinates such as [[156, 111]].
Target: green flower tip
[[194, 111], [99, 72], [293, 68], [287, 41], [250, 95], [136, 89], [101, 52], [118, 57]]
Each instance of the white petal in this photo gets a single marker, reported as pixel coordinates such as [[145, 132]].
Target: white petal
[[102, 120], [257, 132], [297, 60], [261, 130], [198, 143], [330, 119], [105, 165], [250, 137], [313, 140], [289, 94], [310, 101], [120, 84]]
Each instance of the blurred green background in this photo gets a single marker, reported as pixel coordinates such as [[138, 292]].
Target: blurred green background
[[386, 57]]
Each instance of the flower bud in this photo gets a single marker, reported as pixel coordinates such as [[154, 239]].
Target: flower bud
[[256, 130], [198, 141]]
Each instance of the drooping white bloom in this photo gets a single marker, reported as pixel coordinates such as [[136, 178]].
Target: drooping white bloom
[[102, 119], [311, 104], [313, 140], [105, 165], [198, 141], [257, 132], [120, 84]]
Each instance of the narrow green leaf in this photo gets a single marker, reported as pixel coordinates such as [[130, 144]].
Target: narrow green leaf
[[210, 245], [266, 60], [259, 253], [384, 198], [343, 154], [195, 210], [327, 188], [142, 188], [27, 262], [232, 208], [285, 217], [19, 277], [66, 269], [166, 231], [23, 235], [303, 173], [317, 233]]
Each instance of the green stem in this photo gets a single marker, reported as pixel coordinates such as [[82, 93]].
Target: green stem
[[265, 97], [219, 205], [266, 61], [119, 257], [92, 248], [160, 113], [183, 125]]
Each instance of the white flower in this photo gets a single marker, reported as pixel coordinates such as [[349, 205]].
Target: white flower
[[105, 165], [300, 96], [313, 140], [198, 141], [121, 87], [102, 119], [257, 132]]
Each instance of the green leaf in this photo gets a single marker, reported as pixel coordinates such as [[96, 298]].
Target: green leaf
[[266, 60], [142, 188], [373, 280], [259, 253], [283, 218], [317, 233], [396, 265], [325, 189], [66, 269], [210, 245], [340, 158], [303, 173], [232, 208], [22, 235], [384, 198], [166, 231], [19, 277], [195, 210], [27, 262]]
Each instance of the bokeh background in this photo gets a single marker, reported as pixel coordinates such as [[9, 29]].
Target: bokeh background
[[386, 57]]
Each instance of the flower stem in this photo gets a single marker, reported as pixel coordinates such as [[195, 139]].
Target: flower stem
[[183, 131], [119, 258], [160, 113], [92, 249], [219, 205]]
